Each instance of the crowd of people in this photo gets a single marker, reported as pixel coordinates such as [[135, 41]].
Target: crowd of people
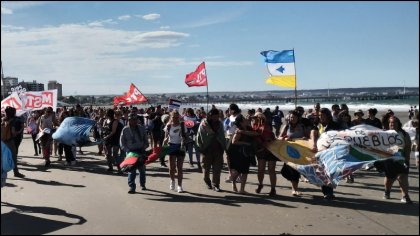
[[241, 136]]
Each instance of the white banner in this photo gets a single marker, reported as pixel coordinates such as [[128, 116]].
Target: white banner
[[12, 100], [31, 101], [39, 100], [364, 136]]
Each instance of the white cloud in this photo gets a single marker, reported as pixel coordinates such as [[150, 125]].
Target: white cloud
[[158, 39], [124, 17], [101, 23], [152, 16], [6, 11], [80, 56], [11, 28], [97, 60], [164, 27]]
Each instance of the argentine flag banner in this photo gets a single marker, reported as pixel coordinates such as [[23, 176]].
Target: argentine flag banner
[[281, 67]]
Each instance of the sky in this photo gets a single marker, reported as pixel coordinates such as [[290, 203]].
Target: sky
[[98, 48]]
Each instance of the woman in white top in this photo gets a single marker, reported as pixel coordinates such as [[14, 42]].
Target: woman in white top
[[174, 133]]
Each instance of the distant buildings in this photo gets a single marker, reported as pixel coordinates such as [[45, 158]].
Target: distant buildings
[[32, 86], [7, 85], [53, 84], [11, 83]]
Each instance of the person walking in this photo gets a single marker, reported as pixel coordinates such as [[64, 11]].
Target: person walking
[[264, 156], [241, 152], [112, 128], [210, 140], [174, 134], [46, 124], [8, 135], [134, 139], [394, 170]]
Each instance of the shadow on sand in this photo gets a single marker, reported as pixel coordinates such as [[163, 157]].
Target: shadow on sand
[[18, 223]]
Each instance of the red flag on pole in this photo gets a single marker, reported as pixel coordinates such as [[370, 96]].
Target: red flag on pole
[[198, 77], [133, 96]]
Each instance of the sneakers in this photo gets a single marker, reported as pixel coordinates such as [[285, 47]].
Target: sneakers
[[217, 188], [387, 195], [163, 164], [73, 163], [208, 183], [406, 199], [172, 185], [143, 188], [131, 191], [180, 189]]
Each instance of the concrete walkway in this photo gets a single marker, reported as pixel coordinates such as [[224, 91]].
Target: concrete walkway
[[86, 199]]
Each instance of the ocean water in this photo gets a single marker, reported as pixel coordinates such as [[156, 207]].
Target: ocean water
[[396, 105]]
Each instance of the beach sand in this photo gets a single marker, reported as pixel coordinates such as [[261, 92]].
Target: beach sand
[[86, 199]]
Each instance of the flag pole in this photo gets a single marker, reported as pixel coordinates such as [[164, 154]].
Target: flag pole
[[207, 86], [294, 61]]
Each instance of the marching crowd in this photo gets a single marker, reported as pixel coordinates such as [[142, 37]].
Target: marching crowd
[[241, 136]]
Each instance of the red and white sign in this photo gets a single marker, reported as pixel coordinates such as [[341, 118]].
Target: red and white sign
[[30, 101], [198, 77], [40, 100], [12, 100]]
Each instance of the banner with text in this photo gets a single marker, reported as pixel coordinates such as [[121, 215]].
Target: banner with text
[[30, 101]]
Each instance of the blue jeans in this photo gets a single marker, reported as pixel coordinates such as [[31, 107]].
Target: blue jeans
[[190, 153], [132, 176]]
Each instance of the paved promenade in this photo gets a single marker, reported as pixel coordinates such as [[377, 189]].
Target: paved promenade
[[86, 199]]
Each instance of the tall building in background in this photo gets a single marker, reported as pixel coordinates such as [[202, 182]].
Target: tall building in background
[[32, 86], [53, 84], [7, 84]]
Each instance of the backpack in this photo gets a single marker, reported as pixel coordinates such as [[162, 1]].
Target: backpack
[[7, 162]]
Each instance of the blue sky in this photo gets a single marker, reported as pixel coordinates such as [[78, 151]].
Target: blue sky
[[95, 48]]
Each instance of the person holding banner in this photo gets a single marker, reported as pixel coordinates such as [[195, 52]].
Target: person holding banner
[[393, 170], [327, 124]]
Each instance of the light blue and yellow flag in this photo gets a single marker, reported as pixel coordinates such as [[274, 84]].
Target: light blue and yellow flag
[[281, 66]]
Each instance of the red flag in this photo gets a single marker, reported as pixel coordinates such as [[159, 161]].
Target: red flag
[[133, 96], [198, 77], [119, 100]]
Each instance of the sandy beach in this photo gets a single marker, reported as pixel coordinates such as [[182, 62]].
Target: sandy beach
[[86, 199]]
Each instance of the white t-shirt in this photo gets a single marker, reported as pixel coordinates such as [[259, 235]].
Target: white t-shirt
[[174, 134]]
